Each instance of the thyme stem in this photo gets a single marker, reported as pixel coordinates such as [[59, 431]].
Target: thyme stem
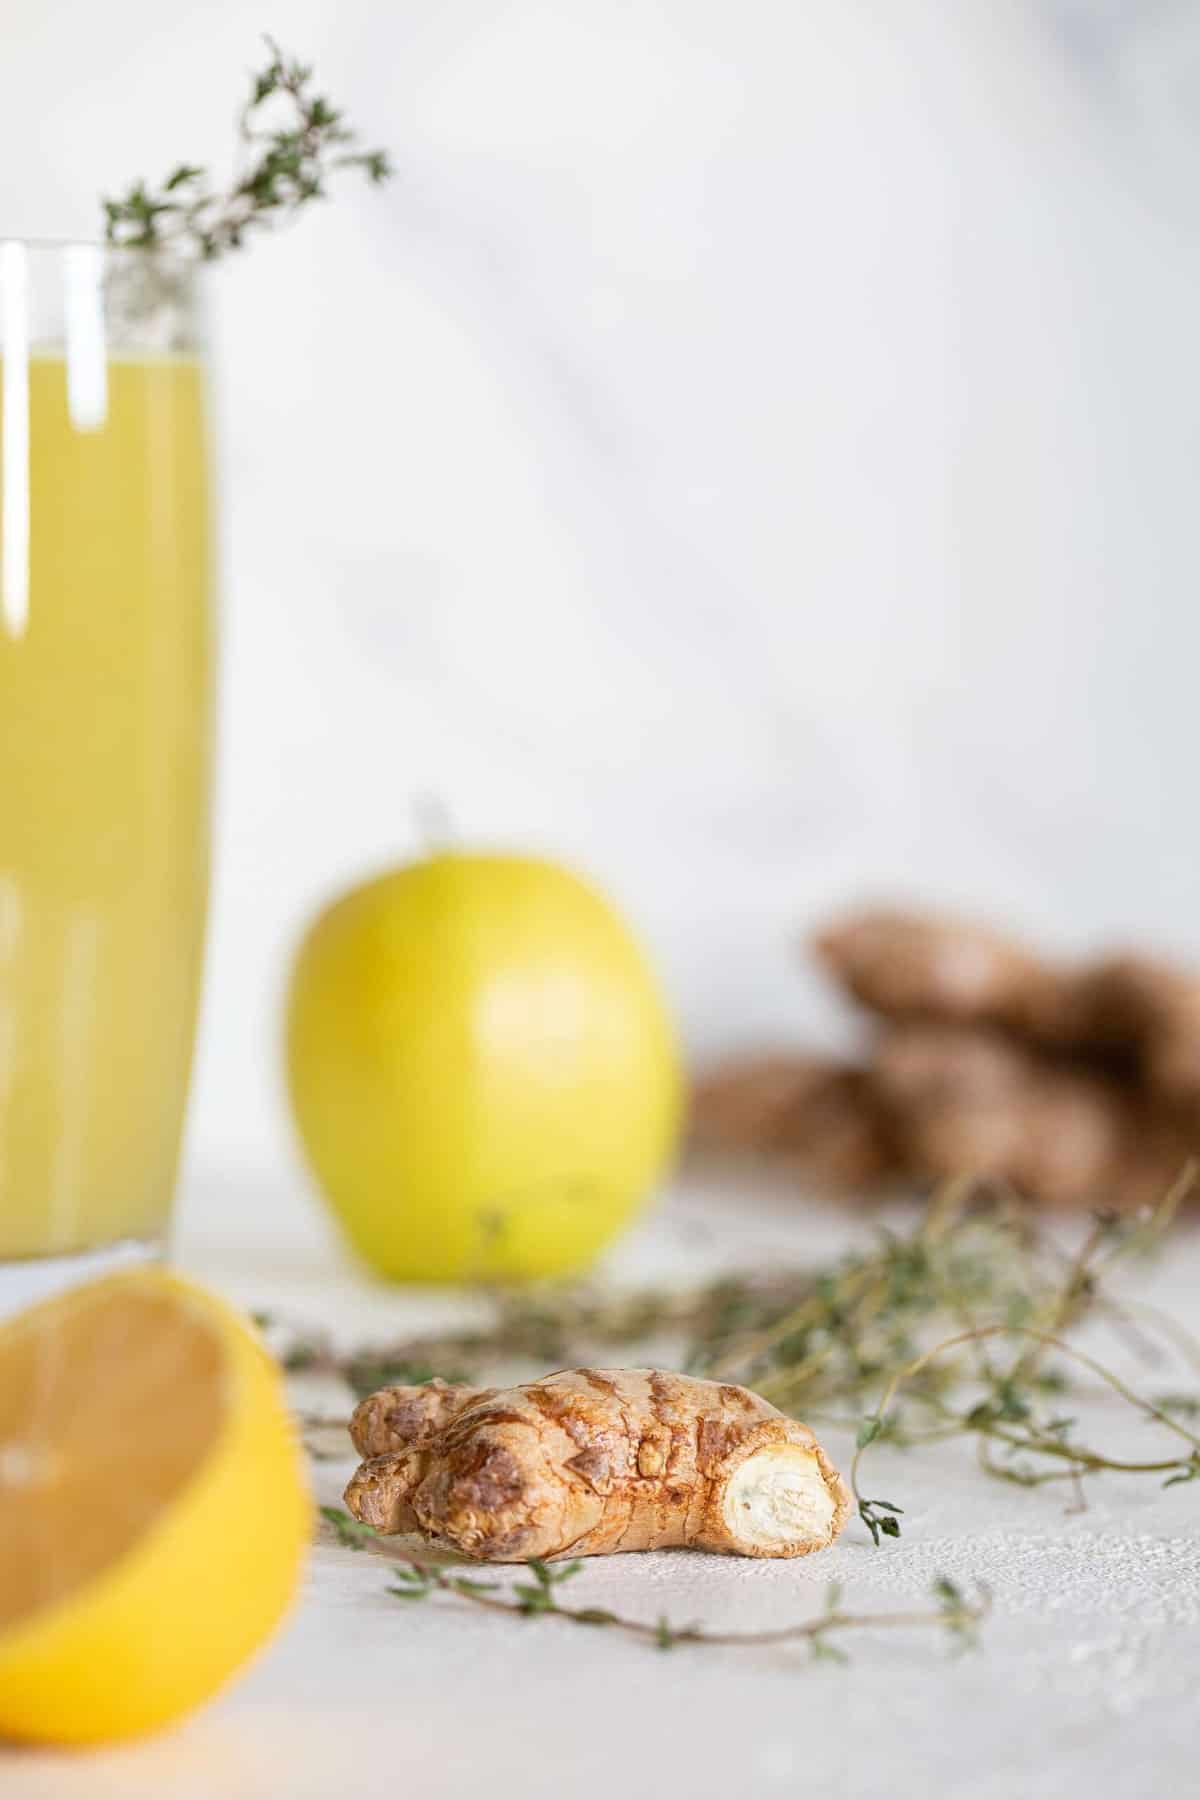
[[954, 1613], [292, 141]]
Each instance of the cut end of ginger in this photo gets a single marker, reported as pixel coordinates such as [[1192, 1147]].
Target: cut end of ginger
[[778, 1496]]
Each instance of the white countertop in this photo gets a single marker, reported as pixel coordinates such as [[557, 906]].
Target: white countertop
[[1085, 1680]]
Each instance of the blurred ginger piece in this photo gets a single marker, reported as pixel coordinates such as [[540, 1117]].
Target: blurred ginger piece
[[1124, 1009], [1079, 1086], [1148, 1008], [909, 965], [818, 1113], [960, 1100]]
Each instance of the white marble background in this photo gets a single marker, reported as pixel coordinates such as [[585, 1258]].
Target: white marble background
[[750, 449]]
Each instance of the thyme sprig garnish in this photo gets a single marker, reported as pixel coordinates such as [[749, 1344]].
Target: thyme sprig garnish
[[292, 141], [1009, 1419], [537, 1595], [1006, 1405]]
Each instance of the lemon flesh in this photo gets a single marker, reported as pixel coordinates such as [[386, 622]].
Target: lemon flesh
[[482, 1070], [154, 1511]]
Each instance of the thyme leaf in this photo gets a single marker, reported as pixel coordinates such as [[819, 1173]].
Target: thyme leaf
[[292, 143]]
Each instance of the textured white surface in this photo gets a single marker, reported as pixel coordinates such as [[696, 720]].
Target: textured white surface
[[752, 450], [1085, 1683]]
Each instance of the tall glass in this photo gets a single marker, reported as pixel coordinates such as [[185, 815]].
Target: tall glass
[[106, 676]]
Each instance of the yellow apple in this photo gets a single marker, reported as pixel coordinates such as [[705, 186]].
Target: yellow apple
[[482, 1069]]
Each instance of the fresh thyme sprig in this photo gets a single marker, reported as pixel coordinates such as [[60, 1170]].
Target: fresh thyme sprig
[[825, 1335], [418, 1578], [292, 141], [1010, 1409], [1009, 1419]]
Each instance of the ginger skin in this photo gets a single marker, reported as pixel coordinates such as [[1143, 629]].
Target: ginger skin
[[970, 1101], [1137, 1014], [940, 1100], [909, 965], [817, 1114], [1078, 1085], [591, 1461]]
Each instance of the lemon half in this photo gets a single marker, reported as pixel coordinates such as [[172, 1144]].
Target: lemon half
[[154, 1511]]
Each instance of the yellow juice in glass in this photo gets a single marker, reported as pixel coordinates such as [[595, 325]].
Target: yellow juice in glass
[[105, 703]]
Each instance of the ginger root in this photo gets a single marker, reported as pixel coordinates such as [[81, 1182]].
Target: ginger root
[[818, 1114], [1139, 1015], [914, 965], [963, 1101], [591, 1461], [1152, 1011], [1078, 1085]]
